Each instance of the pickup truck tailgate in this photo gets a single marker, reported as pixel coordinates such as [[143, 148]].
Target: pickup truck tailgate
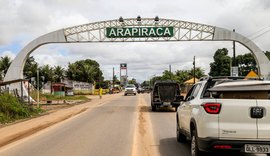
[[264, 122], [235, 120]]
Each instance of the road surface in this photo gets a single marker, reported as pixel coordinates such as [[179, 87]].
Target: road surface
[[124, 126]]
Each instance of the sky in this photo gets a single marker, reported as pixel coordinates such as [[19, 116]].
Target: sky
[[22, 21]]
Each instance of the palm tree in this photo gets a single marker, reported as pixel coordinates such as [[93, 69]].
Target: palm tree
[[72, 71], [89, 72], [59, 73], [4, 64], [30, 68], [47, 72]]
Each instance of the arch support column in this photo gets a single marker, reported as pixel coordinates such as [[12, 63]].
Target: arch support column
[[15, 70], [263, 62]]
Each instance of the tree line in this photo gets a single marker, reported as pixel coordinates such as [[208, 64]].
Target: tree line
[[84, 70], [220, 67], [89, 70]]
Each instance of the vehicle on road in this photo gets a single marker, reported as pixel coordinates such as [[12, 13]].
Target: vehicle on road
[[147, 89], [140, 90], [165, 94], [226, 115], [130, 89]]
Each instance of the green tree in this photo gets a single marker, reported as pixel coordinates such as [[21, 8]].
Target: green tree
[[184, 75], [154, 79], [246, 63], [48, 73], [30, 68], [145, 83], [221, 64], [167, 75], [132, 81], [85, 70], [4, 65], [59, 73], [115, 79]]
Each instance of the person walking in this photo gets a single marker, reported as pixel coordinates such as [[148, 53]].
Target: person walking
[[100, 92]]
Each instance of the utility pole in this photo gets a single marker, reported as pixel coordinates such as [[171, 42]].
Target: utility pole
[[194, 70], [170, 69], [113, 78], [37, 88], [234, 68], [234, 61]]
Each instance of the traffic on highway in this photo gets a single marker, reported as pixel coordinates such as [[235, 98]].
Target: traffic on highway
[[127, 125], [134, 78]]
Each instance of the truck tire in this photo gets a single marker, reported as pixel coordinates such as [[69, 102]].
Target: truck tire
[[154, 108], [179, 136], [175, 108], [194, 145]]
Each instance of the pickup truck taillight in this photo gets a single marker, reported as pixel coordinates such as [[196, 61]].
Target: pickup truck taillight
[[212, 108]]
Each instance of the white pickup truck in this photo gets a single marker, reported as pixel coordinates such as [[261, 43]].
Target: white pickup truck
[[226, 115]]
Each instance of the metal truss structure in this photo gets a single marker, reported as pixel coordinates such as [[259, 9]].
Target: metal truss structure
[[96, 32], [183, 31]]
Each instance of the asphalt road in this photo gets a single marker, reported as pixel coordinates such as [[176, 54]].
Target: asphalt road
[[125, 126]]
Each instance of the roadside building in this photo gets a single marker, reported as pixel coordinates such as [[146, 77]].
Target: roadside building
[[67, 87], [189, 83]]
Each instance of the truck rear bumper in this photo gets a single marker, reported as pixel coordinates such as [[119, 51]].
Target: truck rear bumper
[[164, 104], [213, 144]]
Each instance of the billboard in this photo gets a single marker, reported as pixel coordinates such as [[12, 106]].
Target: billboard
[[123, 66]]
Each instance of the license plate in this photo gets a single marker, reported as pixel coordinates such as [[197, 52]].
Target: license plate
[[257, 148], [166, 103]]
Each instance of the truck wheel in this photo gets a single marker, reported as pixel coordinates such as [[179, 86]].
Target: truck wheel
[[154, 108], [180, 137], [194, 145]]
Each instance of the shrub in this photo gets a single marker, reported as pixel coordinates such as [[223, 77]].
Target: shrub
[[12, 109]]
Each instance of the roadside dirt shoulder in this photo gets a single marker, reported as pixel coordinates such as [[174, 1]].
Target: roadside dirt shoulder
[[143, 141], [14, 132]]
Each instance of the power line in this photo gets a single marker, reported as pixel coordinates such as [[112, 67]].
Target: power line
[[257, 31], [257, 36]]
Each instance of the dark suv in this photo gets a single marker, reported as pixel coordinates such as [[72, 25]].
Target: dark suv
[[165, 94]]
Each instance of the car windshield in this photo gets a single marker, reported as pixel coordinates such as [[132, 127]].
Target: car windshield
[[130, 86]]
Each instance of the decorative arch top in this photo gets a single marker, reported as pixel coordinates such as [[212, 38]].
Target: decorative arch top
[[97, 32]]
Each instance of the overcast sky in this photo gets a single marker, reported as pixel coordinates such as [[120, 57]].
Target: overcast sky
[[22, 21]]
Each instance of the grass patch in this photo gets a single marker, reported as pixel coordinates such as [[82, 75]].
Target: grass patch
[[12, 109], [55, 97], [50, 97]]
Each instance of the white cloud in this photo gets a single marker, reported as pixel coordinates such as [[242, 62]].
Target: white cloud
[[9, 54], [23, 21]]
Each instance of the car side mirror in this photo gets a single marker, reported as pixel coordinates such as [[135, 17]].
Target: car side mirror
[[189, 98], [181, 97]]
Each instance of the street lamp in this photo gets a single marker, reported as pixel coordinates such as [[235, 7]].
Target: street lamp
[[156, 19], [121, 20], [139, 18]]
